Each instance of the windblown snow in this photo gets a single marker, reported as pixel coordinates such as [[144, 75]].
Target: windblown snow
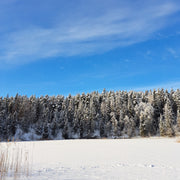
[[130, 159]]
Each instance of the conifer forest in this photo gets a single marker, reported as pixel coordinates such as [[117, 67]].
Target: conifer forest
[[108, 114]]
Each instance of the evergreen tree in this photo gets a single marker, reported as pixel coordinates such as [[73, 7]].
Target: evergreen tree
[[92, 115], [145, 113], [162, 126], [129, 126], [178, 121], [169, 118]]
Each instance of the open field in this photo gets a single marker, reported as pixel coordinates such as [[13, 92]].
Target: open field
[[143, 158]]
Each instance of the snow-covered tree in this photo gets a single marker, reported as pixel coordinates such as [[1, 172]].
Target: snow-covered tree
[[169, 118], [162, 126], [145, 113], [178, 122], [106, 114]]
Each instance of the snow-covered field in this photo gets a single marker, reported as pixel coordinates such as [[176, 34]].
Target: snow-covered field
[[143, 158]]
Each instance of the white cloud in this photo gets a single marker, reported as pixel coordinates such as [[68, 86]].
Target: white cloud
[[173, 52], [167, 85], [86, 34]]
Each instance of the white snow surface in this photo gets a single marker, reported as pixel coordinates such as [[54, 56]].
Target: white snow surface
[[129, 159]]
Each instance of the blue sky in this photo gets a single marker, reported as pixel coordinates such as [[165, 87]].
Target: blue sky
[[68, 47]]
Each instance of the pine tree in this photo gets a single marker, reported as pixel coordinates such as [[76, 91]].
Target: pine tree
[[178, 120], [162, 126], [113, 125], [109, 114], [129, 126], [169, 118], [145, 112]]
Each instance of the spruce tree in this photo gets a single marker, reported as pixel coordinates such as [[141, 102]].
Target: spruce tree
[[162, 126], [169, 118]]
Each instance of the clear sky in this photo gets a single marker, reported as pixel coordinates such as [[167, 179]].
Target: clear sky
[[73, 46]]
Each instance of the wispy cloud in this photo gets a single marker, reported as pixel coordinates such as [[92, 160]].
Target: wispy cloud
[[167, 85], [173, 52], [116, 26]]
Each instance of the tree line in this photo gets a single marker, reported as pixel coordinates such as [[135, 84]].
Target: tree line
[[108, 114]]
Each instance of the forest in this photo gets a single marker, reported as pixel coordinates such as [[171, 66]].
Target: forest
[[109, 114]]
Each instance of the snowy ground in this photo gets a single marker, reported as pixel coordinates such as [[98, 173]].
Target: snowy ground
[[143, 158]]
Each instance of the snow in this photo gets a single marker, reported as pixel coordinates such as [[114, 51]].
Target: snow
[[31, 135], [142, 158]]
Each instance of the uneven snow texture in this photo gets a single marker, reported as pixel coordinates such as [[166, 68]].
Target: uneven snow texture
[[136, 159]]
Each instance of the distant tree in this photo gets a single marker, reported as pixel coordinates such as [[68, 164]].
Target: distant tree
[[169, 118], [145, 112], [92, 115], [112, 125], [129, 126], [162, 126], [178, 121]]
